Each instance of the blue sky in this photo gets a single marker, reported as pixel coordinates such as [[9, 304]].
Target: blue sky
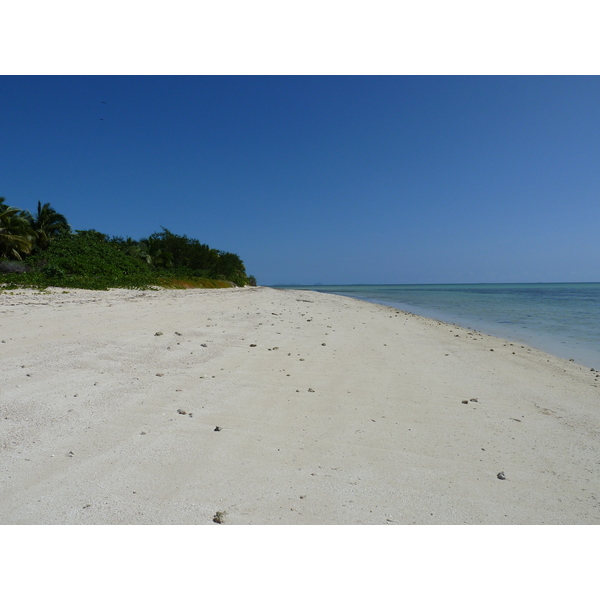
[[329, 179]]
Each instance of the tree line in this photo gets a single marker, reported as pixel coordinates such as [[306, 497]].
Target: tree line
[[41, 248]]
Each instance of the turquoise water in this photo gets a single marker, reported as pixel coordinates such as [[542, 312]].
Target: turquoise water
[[560, 318]]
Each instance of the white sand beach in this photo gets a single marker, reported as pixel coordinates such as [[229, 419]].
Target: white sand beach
[[329, 411]]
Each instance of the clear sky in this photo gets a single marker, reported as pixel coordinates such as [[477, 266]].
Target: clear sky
[[325, 179]]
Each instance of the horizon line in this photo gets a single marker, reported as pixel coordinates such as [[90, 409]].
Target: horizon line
[[438, 283]]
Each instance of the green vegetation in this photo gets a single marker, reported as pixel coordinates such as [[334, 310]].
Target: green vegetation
[[46, 225], [16, 235], [41, 250]]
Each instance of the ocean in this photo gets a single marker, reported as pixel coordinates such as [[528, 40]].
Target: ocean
[[562, 319]]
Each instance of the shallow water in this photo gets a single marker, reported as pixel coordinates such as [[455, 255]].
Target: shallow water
[[560, 318]]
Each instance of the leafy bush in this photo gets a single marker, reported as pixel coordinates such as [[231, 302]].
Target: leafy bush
[[53, 272], [88, 259], [182, 255], [90, 252]]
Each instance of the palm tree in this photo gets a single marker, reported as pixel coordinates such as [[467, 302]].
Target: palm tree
[[151, 251], [47, 224], [16, 235]]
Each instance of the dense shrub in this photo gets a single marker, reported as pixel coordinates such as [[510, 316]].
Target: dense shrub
[[88, 259], [186, 256]]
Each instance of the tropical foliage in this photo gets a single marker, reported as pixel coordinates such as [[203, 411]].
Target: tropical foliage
[[89, 259], [47, 225], [16, 236], [41, 249]]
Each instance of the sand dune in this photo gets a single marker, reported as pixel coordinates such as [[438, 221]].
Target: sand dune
[[282, 407]]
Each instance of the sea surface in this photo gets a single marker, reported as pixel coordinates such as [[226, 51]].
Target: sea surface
[[562, 319]]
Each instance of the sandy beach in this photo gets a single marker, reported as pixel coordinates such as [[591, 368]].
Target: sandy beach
[[265, 406]]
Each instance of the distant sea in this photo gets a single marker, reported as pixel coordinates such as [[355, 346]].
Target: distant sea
[[562, 319]]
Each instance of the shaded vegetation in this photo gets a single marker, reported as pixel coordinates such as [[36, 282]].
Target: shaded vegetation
[[41, 250], [46, 225], [16, 235]]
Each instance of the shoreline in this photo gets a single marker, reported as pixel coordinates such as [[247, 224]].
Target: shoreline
[[532, 338], [330, 409], [565, 346]]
